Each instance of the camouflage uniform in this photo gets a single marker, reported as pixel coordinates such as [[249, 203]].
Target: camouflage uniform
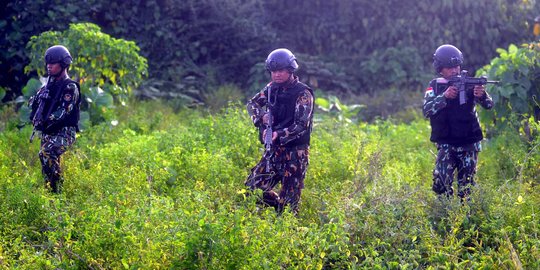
[[59, 130], [457, 146], [52, 147], [289, 156]]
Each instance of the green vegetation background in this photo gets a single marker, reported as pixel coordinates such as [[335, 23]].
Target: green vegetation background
[[220, 42], [164, 189], [155, 185]]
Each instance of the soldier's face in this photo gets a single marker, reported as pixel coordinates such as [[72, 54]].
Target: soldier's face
[[450, 72], [54, 69], [280, 76]]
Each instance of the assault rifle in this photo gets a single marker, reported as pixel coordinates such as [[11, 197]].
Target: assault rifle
[[268, 131], [462, 82], [39, 119]]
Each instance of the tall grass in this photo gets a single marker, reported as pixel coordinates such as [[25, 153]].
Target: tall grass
[[164, 189]]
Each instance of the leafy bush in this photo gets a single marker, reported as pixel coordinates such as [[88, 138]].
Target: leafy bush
[[518, 69], [397, 67], [107, 68], [164, 189]]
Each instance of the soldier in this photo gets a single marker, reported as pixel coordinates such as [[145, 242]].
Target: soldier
[[55, 114], [284, 108], [454, 128]]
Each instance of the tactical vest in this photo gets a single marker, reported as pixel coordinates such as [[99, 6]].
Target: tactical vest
[[455, 124], [56, 90], [284, 100]]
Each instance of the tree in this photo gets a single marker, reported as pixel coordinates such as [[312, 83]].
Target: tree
[[107, 68]]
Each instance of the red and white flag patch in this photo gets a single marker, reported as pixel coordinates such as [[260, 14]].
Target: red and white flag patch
[[429, 91]]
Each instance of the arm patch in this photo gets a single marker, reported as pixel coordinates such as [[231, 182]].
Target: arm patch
[[71, 86]]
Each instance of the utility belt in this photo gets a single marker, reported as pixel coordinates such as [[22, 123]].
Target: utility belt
[[59, 130], [289, 153], [295, 147]]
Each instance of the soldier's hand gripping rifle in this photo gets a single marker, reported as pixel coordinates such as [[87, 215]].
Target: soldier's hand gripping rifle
[[38, 119], [268, 131], [462, 82]]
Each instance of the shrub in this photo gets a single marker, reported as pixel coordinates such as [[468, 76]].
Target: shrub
[[164, 189]]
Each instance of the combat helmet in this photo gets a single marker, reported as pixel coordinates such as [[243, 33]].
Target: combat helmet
[[447, 56], [58, 54], [281, 59]]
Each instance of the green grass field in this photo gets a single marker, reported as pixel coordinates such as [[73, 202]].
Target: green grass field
[[164, 190]]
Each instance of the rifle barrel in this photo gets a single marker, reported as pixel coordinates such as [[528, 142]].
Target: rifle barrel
[[32, 136]]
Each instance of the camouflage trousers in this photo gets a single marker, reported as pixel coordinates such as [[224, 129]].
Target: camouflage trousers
[[450, 159], [52, 147], [285, 166]]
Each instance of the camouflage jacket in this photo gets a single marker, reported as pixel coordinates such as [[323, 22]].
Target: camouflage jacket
[[302, 120]]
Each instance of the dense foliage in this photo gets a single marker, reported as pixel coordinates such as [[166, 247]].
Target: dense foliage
[[516, 97], [518, 69], [165, 190], [161, 186], [391, 42], [362, 44]]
